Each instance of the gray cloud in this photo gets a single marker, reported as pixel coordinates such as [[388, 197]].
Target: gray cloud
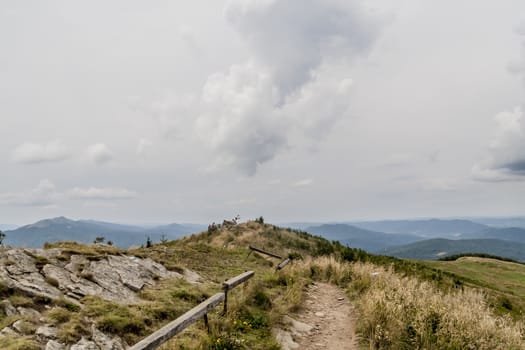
[[294, 89], [99, 153], [31, 153], [293, 37], [505, 160], [43, 195], [517, 166], [96, 193]]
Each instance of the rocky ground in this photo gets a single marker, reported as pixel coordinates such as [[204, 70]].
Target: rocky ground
[[54, 274], [326, 321]]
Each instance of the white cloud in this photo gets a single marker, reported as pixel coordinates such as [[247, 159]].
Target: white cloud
[[294, 37], [142, 145], [43, 195], [505, 160], [99, 153], [175, 114], [303, 183], [485, 174], [399, 160], [31, 153], [239, 122], [440, 184], [294, 88], [96, 193]]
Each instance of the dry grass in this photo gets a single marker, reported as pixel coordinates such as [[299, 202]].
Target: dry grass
[[403, 312], [399, 312]]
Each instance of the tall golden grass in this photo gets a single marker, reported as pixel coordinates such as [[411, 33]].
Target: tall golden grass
[[400, 312]]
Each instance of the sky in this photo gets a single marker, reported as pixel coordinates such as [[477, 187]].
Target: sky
[[297, 110]]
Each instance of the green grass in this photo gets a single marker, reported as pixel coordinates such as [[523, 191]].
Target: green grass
[[503, 281]]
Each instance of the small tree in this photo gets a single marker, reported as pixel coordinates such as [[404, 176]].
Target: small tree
[[2, 237], [260, 220], [149, 243], [163, 239], [99, 240]]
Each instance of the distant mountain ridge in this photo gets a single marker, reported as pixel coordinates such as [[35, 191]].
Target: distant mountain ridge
[[436, 248], [514, 234], [512, 221], [426, 228], [85, 231], [5, 227], [356, 237]]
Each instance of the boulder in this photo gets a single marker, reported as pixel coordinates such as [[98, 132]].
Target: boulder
[[23, 327], [85, 344], [9, 309], [106, 343], [7, 331], [26, 311], [46, 332], [54, 345]]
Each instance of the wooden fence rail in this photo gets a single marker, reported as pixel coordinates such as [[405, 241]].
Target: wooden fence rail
[[235, 281], [265, 252], [173, 328], [232, 283], [283, 263]]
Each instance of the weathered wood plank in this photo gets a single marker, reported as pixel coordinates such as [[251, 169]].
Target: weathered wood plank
[[265, 252], [235, 281], [164, 334], [283, 263]]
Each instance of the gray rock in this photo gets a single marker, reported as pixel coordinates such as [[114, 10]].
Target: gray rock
[[192, 276], [21, 262], [22, 327], [85, 344], [46, 332], [22, 274], [297, 326], [285, 339], [24, 311], [8, 331], [104, 342], [9, 309], [53, 345], [114, 278]]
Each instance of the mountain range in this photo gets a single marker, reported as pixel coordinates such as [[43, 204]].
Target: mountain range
[[425, 228], [86, 231], [436, 248], [425, 239], [356, 237]]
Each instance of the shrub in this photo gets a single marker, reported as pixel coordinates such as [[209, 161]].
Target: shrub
[[59, 315]]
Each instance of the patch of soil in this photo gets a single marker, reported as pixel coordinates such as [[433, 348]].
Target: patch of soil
[[326, 321]]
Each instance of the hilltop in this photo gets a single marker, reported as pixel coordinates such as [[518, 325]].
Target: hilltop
[[95, 296]]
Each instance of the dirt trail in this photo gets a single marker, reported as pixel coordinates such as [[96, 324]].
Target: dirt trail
[[325, 322]]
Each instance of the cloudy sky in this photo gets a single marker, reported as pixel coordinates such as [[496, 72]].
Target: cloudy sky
[[311, 110]]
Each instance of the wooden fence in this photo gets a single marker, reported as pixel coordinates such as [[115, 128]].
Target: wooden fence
[[281, 265], [173, 328]]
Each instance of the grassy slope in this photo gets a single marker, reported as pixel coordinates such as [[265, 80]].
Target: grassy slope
[[254, 309], [504, 281]]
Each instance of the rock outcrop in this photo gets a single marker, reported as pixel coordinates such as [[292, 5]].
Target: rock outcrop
[[58, 275], [46, 273]]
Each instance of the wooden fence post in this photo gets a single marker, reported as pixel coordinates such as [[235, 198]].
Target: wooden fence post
[[232, 283]]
